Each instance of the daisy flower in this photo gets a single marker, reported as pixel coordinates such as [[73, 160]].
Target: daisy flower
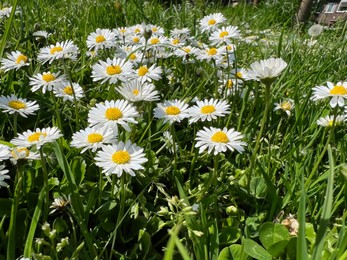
[[211, 22], [3, 176], [112, 70], [186, 52], [38, 138], [4, 152], [224, 35], [22, 153], [135, 90], [229, 86], [121, 157], [171, 111], [61, 50], [101, 39], [5, 11], [156, 41], [286, 105], [113, 113], [46, 81], [133, 39], [211, 53], [121, 32], [41, 34], [156, 30], [327, 121], [148, 74], [93, 138], [13, 104], [208, 110], [219, 140], [65, 90], [338, 93], [267, 70], [14, 60]]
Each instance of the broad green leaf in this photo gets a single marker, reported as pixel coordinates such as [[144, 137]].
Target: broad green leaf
[[232, 252], [272, 233], [229, 235], [278, 248], [258, 187], [78, 168], [254, 250]]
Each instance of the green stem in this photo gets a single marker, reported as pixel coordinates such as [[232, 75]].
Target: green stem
[[11, 245], [213, 178], [57, 112], [260, 133], [15, 119], [330, 137], [45, 184]]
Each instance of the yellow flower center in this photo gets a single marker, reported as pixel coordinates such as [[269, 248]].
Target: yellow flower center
[[135, 92], [48, 77], [95, 138], [16, 104], [338, 90], [21, 58], [35, 137], [136, 39], [113, 69], [155, 41], [68, 90], [223, 34], [211, 22], [186, 49], [212, 51], [286, 105], [230, 83], [330, 123], [142, 71], [154, 29], [239, 74], [121, 157], [175, 41], [132, 56], [208, 109], [17, 151], [123, 30], [172, 110], [137, 30], [56, 49], [220, 137], [113, 113], [229, 47], [100, 38]]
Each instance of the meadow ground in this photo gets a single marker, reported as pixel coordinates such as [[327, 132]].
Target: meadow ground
[[178, 130]]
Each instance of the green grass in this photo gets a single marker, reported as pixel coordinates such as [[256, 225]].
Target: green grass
[[184, 204]]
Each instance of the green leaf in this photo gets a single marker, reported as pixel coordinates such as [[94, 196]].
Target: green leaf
[[214, 240], [229, 235], [5, 208], [258, 187], [272, 233], [232, 252], [278, 248], [145, 242], [78, 168], [310, 233], [254, 250]]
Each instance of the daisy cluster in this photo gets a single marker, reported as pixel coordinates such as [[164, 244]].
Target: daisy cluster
[[128, 63]]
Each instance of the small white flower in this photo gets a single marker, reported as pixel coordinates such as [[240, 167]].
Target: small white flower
[[38, 138], [267, 70], [46, 81], [327, 121], [22, 153], [65, 90], [286, 106], [211, 22], [113, 113], [338, 93], [121, 157], [15, 60], [144, 73], [224, 35], [12, 104], [112, 70], [135, 90], [93, 138], [3, 176], [208, 110], [101, 39], [171, 111], [219, 140], [61, 50], [4, 152]]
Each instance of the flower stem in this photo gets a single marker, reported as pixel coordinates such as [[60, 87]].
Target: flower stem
[[45, 183]]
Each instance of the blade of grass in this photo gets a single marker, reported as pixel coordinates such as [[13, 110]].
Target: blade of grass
[[326, 212], [301, 253]]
